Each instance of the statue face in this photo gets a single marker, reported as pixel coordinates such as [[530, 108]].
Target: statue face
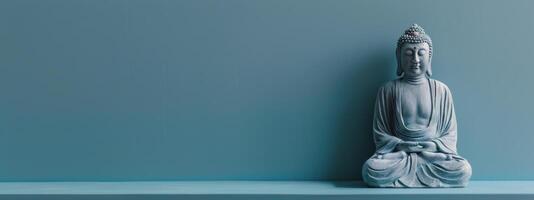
[[414, 59]]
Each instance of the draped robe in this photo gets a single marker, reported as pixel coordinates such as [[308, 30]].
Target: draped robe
[[414, 169]]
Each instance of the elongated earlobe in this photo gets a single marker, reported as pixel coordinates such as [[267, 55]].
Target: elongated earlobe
[[399, 69], [429, 69]]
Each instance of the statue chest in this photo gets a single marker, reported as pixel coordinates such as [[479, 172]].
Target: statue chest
[[416, 105]]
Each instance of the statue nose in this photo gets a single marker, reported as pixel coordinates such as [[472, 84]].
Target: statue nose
[[416, 59]]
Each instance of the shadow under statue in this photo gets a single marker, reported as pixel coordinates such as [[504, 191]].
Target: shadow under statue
[[414, 125]]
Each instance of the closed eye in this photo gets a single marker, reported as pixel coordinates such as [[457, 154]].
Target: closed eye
[[421, 52]]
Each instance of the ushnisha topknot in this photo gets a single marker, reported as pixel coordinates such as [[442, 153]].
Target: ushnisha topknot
[[415, 34]]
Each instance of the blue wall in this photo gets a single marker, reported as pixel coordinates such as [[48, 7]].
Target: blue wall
[[188, 89]]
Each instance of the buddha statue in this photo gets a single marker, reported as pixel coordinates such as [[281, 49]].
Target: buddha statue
[[414, 125]]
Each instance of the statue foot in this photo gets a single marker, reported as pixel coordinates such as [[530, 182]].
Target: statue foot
[[393, 155], [431, 156]]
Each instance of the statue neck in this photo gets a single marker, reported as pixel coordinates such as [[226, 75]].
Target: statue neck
[[417, 80]]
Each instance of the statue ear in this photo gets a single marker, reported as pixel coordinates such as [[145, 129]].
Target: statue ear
[[399, 69], [429, 70]]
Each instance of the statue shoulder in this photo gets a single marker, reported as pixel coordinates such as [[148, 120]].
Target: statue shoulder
[[387, 90], [388, 87], [389, 84], [440, 86]]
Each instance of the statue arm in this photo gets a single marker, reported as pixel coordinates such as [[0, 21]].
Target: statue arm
[[384, 140], [447, 126]]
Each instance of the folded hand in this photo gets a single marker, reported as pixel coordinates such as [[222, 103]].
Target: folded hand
[[411, 147]]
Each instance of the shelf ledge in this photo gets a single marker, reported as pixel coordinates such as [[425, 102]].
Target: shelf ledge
[[265, 189]]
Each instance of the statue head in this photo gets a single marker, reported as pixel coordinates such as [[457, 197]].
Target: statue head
[[414, 52]]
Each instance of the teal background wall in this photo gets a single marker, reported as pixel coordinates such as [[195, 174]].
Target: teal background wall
[[237, 89]]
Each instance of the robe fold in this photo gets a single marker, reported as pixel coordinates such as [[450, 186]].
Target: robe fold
[[391, 168]]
